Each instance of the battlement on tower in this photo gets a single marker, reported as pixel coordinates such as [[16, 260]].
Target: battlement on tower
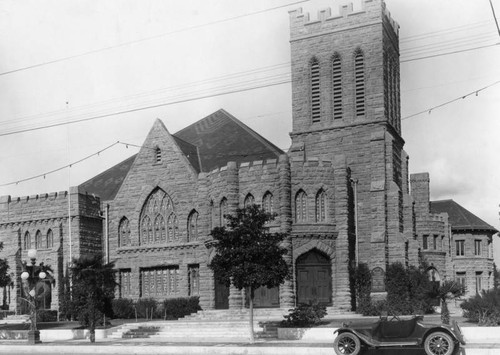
[[371, 12]]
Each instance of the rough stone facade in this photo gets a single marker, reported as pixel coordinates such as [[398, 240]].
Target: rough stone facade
[[341, 193]]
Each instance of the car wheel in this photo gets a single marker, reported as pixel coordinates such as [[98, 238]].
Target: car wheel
[[347, 344], [439, 343]]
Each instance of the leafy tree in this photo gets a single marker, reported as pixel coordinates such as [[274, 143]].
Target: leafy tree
[[248, 255], [93, 290], [448, 290], [5, 279], [363, 288]]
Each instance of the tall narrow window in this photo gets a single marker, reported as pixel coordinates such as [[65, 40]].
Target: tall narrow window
[[460, 277], [125, 289], [267, 202], [27, 240], [172, 235], [479, 281], [321, 206], [50, 239], [39, 242], [124, 232], [477, 247], [157, 155], [301, 206], [193, 226], [359, 73], [194, 280], [249, 200], [315, 91], [337, 87], [425, 242], [460, 247], [223, 212]]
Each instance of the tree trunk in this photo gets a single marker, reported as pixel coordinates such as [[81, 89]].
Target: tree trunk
[[92, 335], [445, 313], [252, 338]]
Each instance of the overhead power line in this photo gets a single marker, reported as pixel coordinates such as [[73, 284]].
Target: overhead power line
[[190, 28]]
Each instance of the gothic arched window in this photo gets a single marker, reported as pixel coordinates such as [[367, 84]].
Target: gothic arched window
[[27, 240], [50, 239], [267, 202], [301, 206], [223, 212], [157, 209], [315, 91], [321, 206], [193, 226], [359, 82], [40, 243], [124, 232], [249, 200], [337, 87]]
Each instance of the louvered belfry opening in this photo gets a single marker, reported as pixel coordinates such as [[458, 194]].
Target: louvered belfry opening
[[337, 88], [359, 72], [315, 92]]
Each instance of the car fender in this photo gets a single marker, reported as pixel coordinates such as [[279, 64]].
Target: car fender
[[448, 330], [363, 337]]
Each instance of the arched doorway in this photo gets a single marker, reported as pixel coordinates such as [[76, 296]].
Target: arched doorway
[[314, 278]]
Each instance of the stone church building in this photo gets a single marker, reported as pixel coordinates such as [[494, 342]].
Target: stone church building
[[342, 192]]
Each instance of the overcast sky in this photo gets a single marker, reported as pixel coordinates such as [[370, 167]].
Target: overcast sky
[[75, 60]]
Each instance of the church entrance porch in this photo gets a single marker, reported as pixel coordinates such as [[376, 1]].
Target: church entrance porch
[[314, 280]]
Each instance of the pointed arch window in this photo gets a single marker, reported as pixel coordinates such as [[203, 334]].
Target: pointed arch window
[[337, 87], [223, 212], [172, 228], [321, 206], [267, 202], [40, 243], [249, 200], [50, 239], [359, 81], [158, 223], [124, 232], [27, 240], [315, 91], [193, 226], [301, 206], [157, 155]]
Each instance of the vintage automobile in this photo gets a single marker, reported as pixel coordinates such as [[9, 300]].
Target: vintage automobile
[[393, 332]]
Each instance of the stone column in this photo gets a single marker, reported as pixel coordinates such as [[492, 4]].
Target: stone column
[[286, 290]]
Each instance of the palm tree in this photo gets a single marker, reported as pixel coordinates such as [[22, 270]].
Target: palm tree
[[446, 291]]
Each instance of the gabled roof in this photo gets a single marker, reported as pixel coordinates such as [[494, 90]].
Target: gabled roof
[[459, 217], [106, 184], [220, 138], [207, 144]]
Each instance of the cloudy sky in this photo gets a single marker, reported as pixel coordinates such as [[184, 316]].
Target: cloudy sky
[[112, 67]]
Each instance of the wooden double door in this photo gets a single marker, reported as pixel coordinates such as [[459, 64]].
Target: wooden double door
[[314, 278]]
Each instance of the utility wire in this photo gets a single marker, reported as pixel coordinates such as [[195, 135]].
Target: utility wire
[[429, 110], [495, 17], [150, 38]]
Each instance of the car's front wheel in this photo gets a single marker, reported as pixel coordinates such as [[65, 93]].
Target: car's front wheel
[[347, 344], [439, 343]]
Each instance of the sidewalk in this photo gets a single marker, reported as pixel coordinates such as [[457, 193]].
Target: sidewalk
[[208, 346]]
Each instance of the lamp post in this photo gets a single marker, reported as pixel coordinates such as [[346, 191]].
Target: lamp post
[[31, 276]]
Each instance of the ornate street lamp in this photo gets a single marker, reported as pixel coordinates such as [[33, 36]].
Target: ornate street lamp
[[31, 276]]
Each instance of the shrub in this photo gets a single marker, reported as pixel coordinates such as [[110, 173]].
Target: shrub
[[363, 287], [304, 315], [175, 308], [483, 308], [147, 308], [123, 308], [46, 315]]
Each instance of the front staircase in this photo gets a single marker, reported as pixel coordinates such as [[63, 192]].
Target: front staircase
[[212, 326]]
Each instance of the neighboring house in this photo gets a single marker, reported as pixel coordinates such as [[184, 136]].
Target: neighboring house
[[471, 246], [341, 192]]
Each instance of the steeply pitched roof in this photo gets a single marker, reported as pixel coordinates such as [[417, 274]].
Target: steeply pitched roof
[[106, 184], [220, 138], [207, 144], [459, 217]]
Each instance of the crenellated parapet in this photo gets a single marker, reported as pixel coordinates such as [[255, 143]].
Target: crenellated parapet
[[371, 11]]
